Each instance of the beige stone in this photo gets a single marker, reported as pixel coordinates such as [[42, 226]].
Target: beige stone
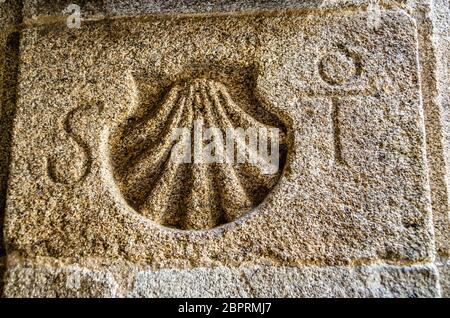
[[10, 12], [443, 265], [44, 11], [356, 162], [439, 127], [357, 208], [49, 278]]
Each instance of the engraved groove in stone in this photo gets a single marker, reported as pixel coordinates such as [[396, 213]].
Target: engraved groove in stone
[[62, 171], [340, 66], [337, 143], [189, 196]]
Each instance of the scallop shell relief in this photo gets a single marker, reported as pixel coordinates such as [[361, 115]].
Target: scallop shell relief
[[192, 193]]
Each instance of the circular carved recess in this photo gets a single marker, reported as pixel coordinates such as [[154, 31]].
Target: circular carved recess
[[339, 67], [173, 161]]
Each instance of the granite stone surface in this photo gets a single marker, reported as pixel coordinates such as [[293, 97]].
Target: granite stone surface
[[97, 205], [50, 278], [10, 17]]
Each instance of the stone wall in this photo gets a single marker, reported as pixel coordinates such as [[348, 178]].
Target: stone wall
[[441, 18], [10, 18], [95, 203]]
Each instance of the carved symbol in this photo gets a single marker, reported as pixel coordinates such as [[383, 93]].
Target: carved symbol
[[336, 132], [67, 168], [339, 68], [190, 195]]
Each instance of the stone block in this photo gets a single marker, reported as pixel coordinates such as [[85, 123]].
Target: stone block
[[353, 95]]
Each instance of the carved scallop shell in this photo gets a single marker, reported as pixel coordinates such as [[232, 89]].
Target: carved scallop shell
[[192, 195]]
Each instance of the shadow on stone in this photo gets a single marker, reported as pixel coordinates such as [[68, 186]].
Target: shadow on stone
[[8, 102]]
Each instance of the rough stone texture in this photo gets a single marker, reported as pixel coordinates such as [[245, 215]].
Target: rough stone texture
[[44, 11], [431, 75], [441, 19], [51, 278], [361, 207], [10, 13], [355, 185], [440, 161], [443, 265]]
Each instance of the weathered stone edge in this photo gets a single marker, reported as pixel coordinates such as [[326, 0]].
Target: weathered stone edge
[[51, 278], [44, 11], [434, 126], [10, 18]]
